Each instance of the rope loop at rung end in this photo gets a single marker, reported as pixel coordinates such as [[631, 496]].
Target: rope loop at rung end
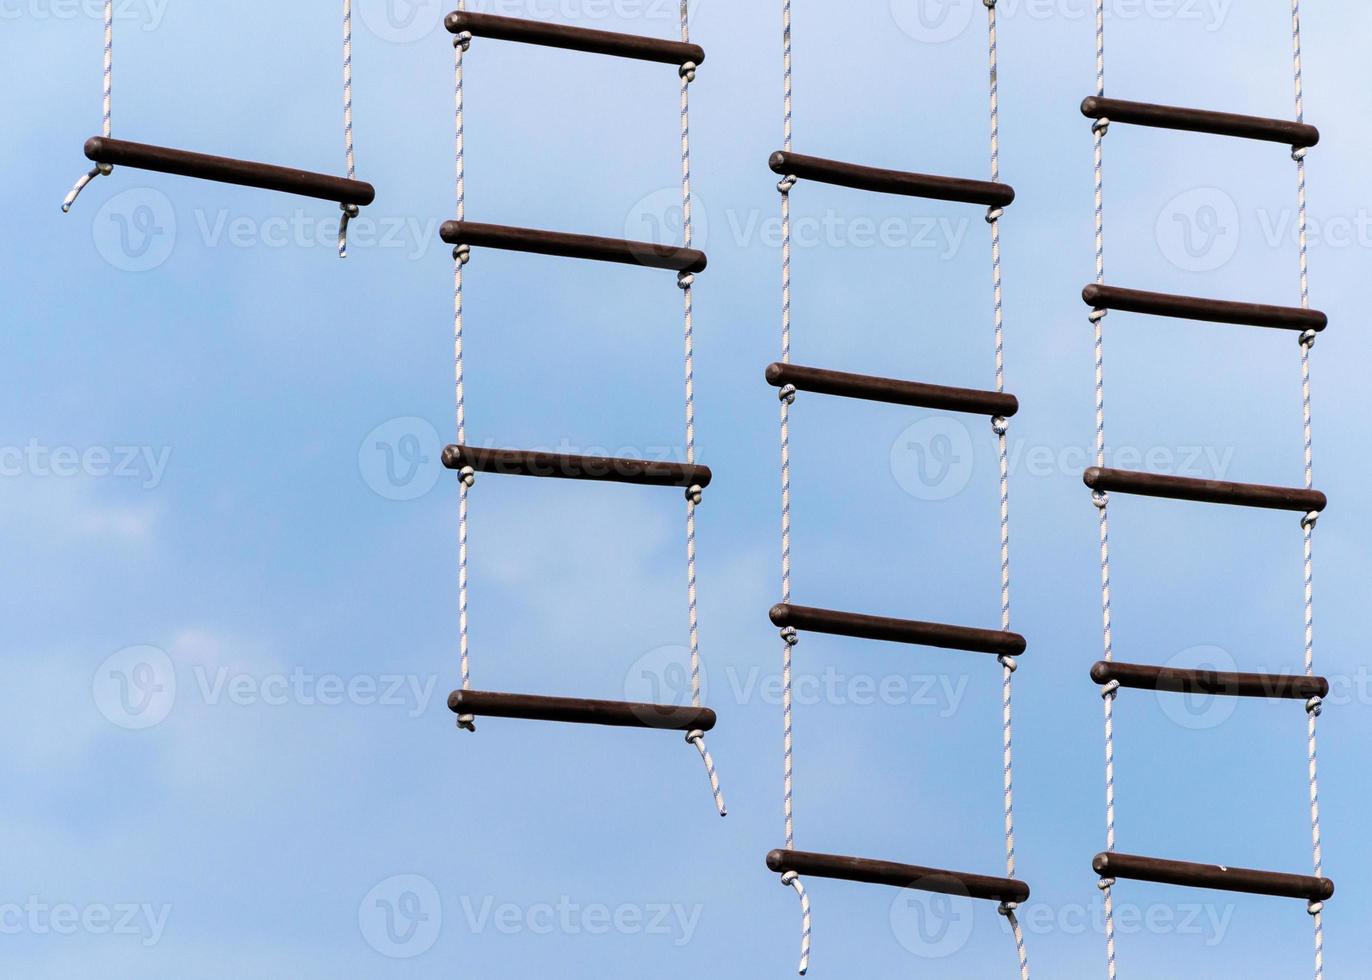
[[1214, 876], [225, 170], [570, 38], [584, 711]]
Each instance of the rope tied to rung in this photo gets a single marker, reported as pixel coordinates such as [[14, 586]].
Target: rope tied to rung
[[349, 211], [1001, 427], [1314, 706], [106, 128], [467, 476], [686, 282]]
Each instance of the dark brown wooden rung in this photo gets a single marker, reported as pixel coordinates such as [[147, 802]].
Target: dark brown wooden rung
[[899, 875], [1205, 491], [1165, 872], [890, 390], [573, 246], [568, 466], [1199, 308], [141, 156], [990, 193], [582, 711], [898, 630], [1200, 121], [574, 38], [1191, 680]]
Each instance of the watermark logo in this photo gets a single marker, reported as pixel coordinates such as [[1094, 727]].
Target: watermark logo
[[1198, 710], [932, 925], [933, 458], [135, 688], [662, 676], [135, 231], [401, 917], [660, 218], [401, 459], [403, 21], [1198, 230], [934, 21]]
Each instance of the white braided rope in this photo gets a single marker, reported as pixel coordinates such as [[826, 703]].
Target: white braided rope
[[1101, 500], [789, 637], [467, 476], [106, 127], [1000, 425], [687, 282], [1307, 341], [349, 210]]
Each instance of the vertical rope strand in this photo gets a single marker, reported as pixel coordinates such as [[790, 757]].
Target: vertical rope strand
[[693, 495], [106, 127], [1000, 425], [789, 636], [350, 211], [467, 476], [1307, 341], [1101, 500]]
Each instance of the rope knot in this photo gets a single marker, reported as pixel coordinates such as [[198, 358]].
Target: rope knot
[[1000, 425], [1008, 662], [688, 71], [790, 635], [463, 40], [1307, 338], [994, 214], [462, 254], [1097, 315], [1315, 706], [787, 394], [468, 476], [467, 723], [1105, 884], [105, 169], [695, 493], [1006, 909], [789, 877], [1298, 153], [1099, 498], [786, 183], [1101, 126], [1310, 519], [685, 280], [695, 737], [1314, 908], [1110, 690]]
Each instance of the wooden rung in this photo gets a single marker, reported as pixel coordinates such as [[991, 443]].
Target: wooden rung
[[1199, 308], [1204, 491], [567, 466], [1200, 121], [899, 875], [574, 38], [183, 163], [1165, 872], [897, 630], [619, 250], [825, 382], [990, 193], [1189, 680], [618, 714]]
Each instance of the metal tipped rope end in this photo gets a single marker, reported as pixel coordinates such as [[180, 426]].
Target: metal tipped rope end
[[697, 738], [791, 879]]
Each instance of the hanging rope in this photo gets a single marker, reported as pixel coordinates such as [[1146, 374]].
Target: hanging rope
[[350, 211], [1001, 428], [105, 129], [788, 395], [1307, 340], [467, 475], [1099, 128], [693, 495]]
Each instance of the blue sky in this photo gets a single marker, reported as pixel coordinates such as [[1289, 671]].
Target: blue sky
[[221, 489]]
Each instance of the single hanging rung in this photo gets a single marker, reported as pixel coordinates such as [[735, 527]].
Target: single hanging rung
[[582, 711], [574, 38], [1200, 121], [573, 246], [899, 875], [1199, 308], [1204, 491], [568, 466], [890, 390], [1192, 680], [160, 159], [990, 193], [1218, 876], [897, 630]]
